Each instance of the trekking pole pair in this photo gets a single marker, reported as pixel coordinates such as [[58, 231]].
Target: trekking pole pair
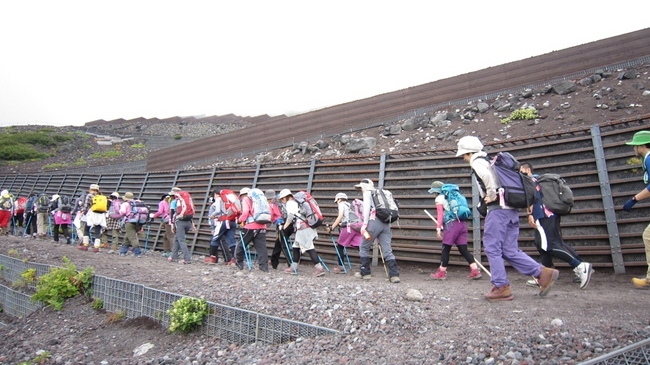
[[29, 221], [247, 254], [345, 252], [289, 256]]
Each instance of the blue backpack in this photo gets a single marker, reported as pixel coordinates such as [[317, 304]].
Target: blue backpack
[[458, 207]]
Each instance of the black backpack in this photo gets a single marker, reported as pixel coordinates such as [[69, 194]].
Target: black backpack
[[43, 203], [64, 204], [556, 194]]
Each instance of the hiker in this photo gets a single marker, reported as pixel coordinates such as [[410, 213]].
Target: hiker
[[372, 229], [30, 215], [79, 218], [19, 212], [6, 211], [278, 218], [163, 213], [131, 228], [305, 235], [501, 228], [182, 212], [243, 193], [555, 246], [62, 219], [113, 221], [348, 237], [455, 233], [95, 205], [641, 145], [252, 231], [224, 226], [42, 207]]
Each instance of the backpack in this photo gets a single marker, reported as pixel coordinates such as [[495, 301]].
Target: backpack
[[6, 203], [139, 213], [185, 204], [458, 207], [114, 209], [79, 203], [261, 210], [556, 194], [43, 203], [21, 202], [355, 220], [64, 204], [386, 208], [519, 190], [309, 209], [230, 205], [29, 205], [100, 204]]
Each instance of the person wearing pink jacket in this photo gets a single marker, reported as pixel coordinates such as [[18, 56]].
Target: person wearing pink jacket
[[251, 232]]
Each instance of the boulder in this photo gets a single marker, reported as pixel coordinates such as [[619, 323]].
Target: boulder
[[392, 130], [358, 144], [629, 74], [483, 107], [564, 87], [415, 123], [414, 295], [440, 117]]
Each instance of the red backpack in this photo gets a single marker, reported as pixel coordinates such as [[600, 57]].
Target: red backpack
[[184, 204], [21, 205], [230, 205]]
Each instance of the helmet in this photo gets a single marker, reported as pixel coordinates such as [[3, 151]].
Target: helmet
[[244, 191], [340, 196], [284, 193], [436, 187], [469, 144]]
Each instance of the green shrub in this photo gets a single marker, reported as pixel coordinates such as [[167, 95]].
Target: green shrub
[[187, 313], [61, 283], [20, 152], [521, 114], [97, 304], [138, 145], [107, 154], [177, 136]]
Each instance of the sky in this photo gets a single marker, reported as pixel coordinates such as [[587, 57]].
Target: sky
[[71, 62]]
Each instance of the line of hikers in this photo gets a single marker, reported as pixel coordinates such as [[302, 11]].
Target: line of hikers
[[504, 186]]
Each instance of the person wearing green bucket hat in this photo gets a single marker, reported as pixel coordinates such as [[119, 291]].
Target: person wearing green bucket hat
[[641, 144]]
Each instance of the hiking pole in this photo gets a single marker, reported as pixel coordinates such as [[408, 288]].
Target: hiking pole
[[29, 221], [381, 252], [337, 252], [482, 267], [146, 237], [290, 257], [246, 254], [347, 257], [323, 263], [430, 216], [13, 223]]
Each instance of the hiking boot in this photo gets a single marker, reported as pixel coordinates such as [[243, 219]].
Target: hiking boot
[[474, 274], [364, 277], [319, 270], [641, 283], [546, 279], [232, 262], [584, 272], [211, 260], [439, 275], [293, 269], [394, 279], [95, 249], [83, 247], [533, 283], [497, 294], [137, 252], [338, 270]]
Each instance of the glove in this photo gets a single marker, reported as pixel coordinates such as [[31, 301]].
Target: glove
[[629, 204], [151, 215], [279, 222]]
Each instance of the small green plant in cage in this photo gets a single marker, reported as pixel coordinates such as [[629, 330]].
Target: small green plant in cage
[[25, 279], [2, 268], [187, 313], [97, 303], [60, 283]]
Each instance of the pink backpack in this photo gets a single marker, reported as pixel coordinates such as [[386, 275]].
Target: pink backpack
[[355, 220], [62, 218], [114, 209]]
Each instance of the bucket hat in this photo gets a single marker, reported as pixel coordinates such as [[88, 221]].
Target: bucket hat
[[640, 138], [469, 144], [436, 187]]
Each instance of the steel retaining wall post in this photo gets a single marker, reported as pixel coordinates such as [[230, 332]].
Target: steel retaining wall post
[[608, 202], [476, 220], [205, 199]]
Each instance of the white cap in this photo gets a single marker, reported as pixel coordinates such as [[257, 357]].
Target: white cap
[[284, 193], [469, 144], [340, 196], [244, 191], [55, 197], [366, 184]]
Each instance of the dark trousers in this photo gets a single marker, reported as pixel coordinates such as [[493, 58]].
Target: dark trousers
[[281, 244], [65, 229], [30, 220]]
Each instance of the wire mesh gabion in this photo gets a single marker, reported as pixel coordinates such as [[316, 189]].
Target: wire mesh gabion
[[136, 300]]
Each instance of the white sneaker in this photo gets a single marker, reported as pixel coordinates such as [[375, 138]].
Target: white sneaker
[[584, 271]]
